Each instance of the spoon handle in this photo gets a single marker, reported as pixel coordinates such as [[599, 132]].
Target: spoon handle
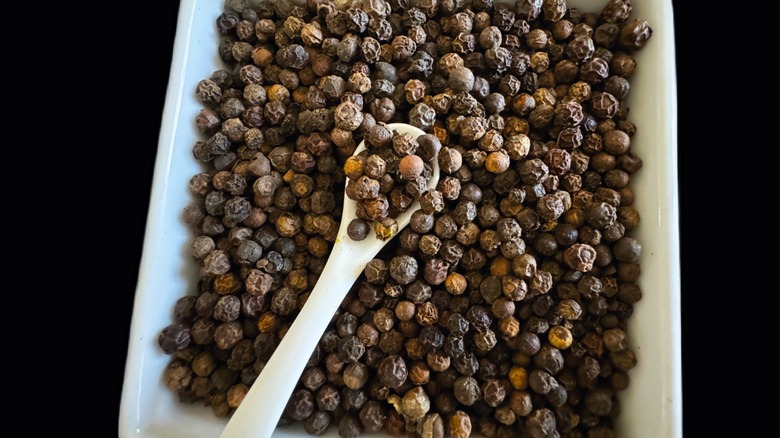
[[259, 412]]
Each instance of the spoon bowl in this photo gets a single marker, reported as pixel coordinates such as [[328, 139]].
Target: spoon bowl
[[258, 414]]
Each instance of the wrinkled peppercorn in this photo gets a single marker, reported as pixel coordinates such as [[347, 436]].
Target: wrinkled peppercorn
[[392, 371]]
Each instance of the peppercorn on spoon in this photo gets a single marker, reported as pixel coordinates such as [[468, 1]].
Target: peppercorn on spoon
[[258, 414]]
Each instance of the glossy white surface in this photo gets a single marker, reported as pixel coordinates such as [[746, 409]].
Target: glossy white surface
[[651, 407]]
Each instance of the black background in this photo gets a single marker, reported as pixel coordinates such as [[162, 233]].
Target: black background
[[720, 353]]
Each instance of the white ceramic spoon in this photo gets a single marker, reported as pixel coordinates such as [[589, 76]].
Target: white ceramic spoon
[[259, 412]]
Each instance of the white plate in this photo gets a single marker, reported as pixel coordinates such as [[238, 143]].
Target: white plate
[[652, 405]]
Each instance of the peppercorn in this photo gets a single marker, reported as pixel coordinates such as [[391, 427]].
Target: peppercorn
[[634, 34], [459, 425], [173, 338], [348, 116], [349, 427], [357, 229], [392, 371], [355, 375], [328, 398], [317, 423], [580, 257]]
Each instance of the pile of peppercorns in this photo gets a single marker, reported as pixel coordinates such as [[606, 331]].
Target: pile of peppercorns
[[501, 309], [385, 179]]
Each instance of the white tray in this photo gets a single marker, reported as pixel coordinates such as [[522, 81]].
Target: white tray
[[651, 406]]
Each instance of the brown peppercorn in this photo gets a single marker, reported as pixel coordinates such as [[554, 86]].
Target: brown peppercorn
[[524, 266], [430, 244], [493, 392], [580, 257], [392, 371], [616, 142], [301, 404], [174, 338], [383, 320], [415, 403], [236, 394], [604, 105], [405, 310], [562, 29], [617, 86], [356, 375], [603, 162], [473, 128], [503, 308], [466, 390], [459, 425], [569, 309], [497, 162], [536, 39], [432, 201], [560, 337], [627, 249], [357, 229], [509, 327], [410, 166], [328, 398], [634, 34], [419, 373], [455, 283], [353, 166], [348, 116], [427, 314], [292, 56], [435, 271], [382, 109], [601, 215], [450, 160], [485, 341]]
